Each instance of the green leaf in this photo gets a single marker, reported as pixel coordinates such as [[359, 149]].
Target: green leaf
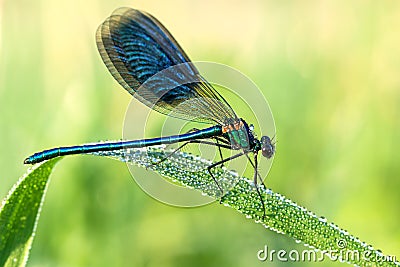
[[282, 215], [19, 214]]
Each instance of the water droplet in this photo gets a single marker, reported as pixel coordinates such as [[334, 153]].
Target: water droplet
[[322, 219]]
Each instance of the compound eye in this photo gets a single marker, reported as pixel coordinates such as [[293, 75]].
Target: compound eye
[[267, 148], [269, 152], [265, 140], [265, 152]]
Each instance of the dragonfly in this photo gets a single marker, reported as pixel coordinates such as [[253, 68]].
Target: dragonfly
[[146, 60]]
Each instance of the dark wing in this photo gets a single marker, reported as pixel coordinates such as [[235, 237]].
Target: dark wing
[[147, 61]]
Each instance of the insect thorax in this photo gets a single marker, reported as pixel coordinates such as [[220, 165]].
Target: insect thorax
[[239, 134]]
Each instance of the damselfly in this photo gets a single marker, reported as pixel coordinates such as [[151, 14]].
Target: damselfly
[[147, 61]]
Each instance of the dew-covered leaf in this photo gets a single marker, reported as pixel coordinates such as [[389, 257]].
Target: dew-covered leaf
[[282, 215], [19, 214]]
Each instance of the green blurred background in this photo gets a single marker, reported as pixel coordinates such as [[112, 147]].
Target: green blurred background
[[329, 69]]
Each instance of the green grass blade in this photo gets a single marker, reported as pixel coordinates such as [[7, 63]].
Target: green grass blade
[[283, 215], [19, 214]]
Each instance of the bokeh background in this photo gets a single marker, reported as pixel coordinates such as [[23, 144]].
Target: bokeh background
[[329, 69]]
